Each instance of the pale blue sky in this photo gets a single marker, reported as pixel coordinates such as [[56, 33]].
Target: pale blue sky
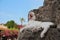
[[15, 9]]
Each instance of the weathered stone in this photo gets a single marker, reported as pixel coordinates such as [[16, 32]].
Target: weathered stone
[[52, 34], [50, 11]]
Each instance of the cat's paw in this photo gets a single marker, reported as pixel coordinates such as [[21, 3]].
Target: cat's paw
[[42, 35]]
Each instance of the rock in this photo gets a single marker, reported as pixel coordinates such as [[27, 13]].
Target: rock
[[52, 34], [50, 11]]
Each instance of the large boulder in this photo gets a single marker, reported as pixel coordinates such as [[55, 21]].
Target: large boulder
[[52, 34], [50, 11]]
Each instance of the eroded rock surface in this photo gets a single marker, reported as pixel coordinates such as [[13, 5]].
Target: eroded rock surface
[[52, 34], [50, 11]]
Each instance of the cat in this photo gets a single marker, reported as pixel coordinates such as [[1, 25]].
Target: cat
[[37, 24]]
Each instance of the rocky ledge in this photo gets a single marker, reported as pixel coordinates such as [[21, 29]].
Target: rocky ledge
[[52, 34]]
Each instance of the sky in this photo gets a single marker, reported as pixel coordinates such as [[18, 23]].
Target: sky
[[16, 9]]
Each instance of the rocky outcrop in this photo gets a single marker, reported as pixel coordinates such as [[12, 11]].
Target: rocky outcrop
[[50, 11], [52, 34]]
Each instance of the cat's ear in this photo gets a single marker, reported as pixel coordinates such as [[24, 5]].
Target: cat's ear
[[30, 15]]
